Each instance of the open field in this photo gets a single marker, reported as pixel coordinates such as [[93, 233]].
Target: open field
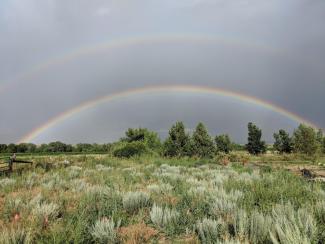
[[101, 199]]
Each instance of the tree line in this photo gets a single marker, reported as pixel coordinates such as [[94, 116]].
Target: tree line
[[179, 143], [54, 147]]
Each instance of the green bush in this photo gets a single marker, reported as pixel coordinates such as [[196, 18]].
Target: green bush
[[130, 149]]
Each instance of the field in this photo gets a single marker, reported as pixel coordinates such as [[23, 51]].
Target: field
[[102, 199]]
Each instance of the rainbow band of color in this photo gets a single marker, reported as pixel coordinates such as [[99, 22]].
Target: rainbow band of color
[[160, 89], [128, 42]]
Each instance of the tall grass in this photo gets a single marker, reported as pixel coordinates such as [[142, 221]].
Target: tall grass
[[15, 236]]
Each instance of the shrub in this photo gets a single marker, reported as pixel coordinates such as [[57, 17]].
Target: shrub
[[54, 182], [45, 212], [7, 182], [292, 226], [31, 181], [103, 168], [241, 224], [74, 171], [161, 188], [104, 231], [133, 201], [163, 217], [209, 230], [99, 201], [15, 236], [320, 218], [259, 228], [131, 149], [12, 206]]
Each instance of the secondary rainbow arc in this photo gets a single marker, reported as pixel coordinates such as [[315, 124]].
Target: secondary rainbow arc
[[130, 41], [160, 89]]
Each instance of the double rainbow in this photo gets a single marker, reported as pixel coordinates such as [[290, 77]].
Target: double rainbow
[[160, 89], [144, 40]]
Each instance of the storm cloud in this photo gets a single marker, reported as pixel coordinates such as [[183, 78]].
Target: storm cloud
[[272, 50]]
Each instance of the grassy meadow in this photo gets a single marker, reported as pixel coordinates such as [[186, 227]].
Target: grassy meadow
[[102, 199]]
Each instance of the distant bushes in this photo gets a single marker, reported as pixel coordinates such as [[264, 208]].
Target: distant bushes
[[55, 147]]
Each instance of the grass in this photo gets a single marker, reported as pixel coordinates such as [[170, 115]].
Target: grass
[[101, 199]]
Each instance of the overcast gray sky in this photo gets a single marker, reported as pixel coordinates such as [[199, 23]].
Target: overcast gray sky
[[270, 49]]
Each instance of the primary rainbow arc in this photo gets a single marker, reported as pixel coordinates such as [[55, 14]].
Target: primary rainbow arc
[[160, 89]]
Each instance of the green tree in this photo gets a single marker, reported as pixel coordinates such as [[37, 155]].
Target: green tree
[[283, 142], [31, 148], [83, 147], [22, 148], [130, 149], [12, 148], [202, 142], [305, 140], [42, 148], [3, 148], [57, 147], [320, 136], [223, 143], [149, 138], [255, 145], [178, 142], [321, 140]]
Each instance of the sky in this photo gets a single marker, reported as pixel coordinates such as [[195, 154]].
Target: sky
[[58, 54]]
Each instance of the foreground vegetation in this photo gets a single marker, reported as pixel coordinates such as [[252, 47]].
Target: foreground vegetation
[[102, 199]]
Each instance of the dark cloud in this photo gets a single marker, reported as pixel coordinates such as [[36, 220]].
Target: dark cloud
[[277, 53]]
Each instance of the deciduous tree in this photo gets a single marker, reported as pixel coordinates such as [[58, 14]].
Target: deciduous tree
[[305, 140], [283, 142]]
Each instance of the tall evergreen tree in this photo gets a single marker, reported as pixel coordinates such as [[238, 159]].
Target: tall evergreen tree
[[178, 142], [255, 145], [223, 143], [202, 142], [283, 142]]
